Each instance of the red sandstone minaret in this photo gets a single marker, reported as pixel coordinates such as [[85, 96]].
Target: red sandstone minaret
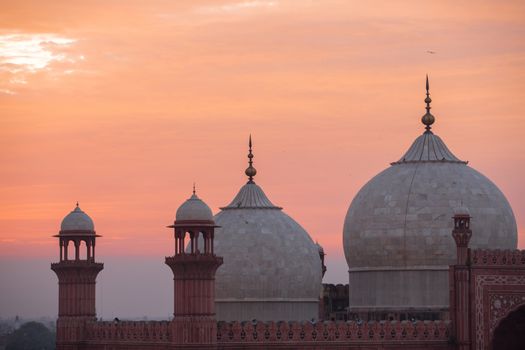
[[459, 298], [194, 323], [77, 273]]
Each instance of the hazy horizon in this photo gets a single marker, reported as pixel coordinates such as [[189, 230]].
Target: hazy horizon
[[128, 287]]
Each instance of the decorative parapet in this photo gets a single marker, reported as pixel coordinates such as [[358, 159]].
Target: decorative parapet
[[328, 331], [276, 332], [497, 257], [129, 331]]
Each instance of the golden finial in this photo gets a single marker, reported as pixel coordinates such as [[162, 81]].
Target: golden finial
[[250, 171], [428, 119], [194, 188]]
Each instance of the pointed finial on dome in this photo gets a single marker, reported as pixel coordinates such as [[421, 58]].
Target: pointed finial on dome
[[194, 192], [250, 171], [77, 204], [428, 119]]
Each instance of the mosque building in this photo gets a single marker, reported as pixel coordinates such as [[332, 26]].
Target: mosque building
[[430, 245]]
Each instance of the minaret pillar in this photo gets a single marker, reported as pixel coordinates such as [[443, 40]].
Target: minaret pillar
[[460, 279], [76, 282], [194, 324]]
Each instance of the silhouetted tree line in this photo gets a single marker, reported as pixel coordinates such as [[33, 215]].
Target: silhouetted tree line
[[31, 336]]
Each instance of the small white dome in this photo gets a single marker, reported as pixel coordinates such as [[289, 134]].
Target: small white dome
[[461, 211], [194, 209], [77, 220]]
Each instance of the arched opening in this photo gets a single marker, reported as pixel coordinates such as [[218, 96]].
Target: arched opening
[[180, 241], [91, 249], [510, 334], [82, 250], [183, 242], [196, 248], [205, 242], [69, 250]]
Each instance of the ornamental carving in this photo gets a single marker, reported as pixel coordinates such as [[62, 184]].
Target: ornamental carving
[[328, 331], [500, 304], [488, 257]]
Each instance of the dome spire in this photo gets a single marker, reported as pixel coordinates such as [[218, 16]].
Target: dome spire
[[250, 171], [428, 147], [194, 191], [428, 119]]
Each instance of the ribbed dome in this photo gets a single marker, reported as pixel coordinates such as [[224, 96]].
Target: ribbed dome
[[403, 216], [272, 269], [429, 148], [250, 196], [77, 220], [397, 231], [194, 209]]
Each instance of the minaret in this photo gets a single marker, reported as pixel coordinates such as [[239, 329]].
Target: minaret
[[462, 234], [77, 274], [460, 272], [194, 267]]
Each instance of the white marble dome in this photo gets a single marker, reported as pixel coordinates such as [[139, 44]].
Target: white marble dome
[[272, 269], [77, 220], [402, 217], [194, 209], [397, 231]]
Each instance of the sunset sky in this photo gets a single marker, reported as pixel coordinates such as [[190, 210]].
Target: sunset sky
[[122, 105]]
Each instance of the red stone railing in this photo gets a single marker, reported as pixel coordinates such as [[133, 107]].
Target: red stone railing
[[328, 331], [497, 257], [129, 331], [278, 332]]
